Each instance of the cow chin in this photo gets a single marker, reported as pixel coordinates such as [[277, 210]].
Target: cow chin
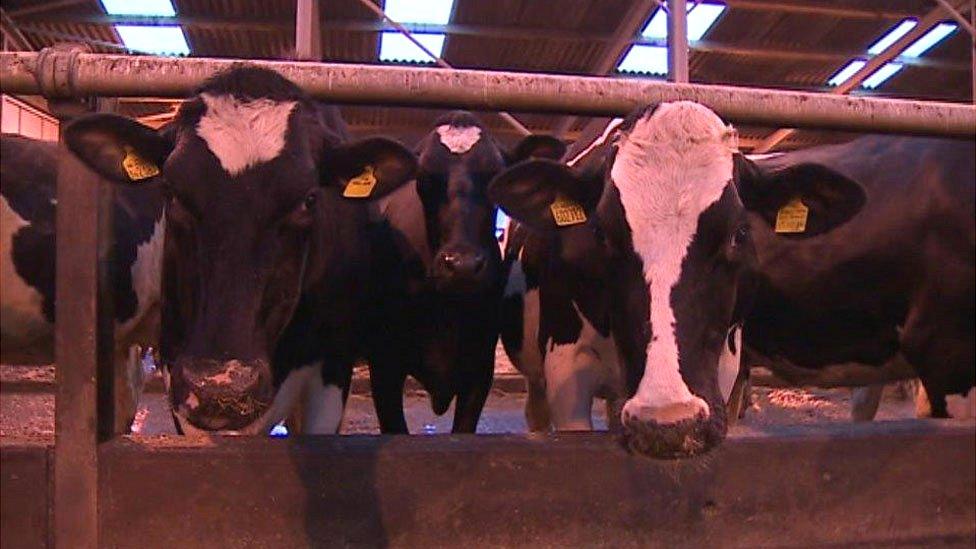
[[681, 439]]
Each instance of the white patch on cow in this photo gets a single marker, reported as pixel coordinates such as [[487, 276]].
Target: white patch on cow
[[576, 372], [242, 134], [613, 125], [728, 363], [22, 321], [459, 139], [323, 406], [669, 168], [146, 274], [962, 407]]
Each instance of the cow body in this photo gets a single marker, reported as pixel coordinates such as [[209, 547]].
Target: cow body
[[891, 291], [444, 325], [28, 199], [636, 273], [271, 246]]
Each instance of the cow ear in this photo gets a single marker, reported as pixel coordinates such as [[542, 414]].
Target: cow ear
[[118, 148], [545, 194], [369, 168], [801, 200], [537, 146]]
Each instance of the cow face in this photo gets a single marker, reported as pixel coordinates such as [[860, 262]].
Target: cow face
[[666, 233], [251, 171], [456, 162]]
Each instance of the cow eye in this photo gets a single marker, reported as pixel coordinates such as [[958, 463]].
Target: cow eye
[[740, 236], [310, 201]]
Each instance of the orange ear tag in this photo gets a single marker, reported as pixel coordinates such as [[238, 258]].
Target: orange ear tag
[[362, 185], [137, 167], [792, 218], [566, 212]]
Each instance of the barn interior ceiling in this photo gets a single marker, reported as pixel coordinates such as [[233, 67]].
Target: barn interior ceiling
[[891, 48]]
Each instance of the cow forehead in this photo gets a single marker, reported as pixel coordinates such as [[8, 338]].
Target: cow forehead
[[458, 139], [244, 133], [672, 165]]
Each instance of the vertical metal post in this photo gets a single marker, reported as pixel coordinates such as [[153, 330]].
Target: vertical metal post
[[83, 352], [308, 33], [677, 41]]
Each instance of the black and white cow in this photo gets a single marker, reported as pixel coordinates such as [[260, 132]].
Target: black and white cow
[[890, 293], [448, 321], [270, 246], [28, 202], [638, 257]]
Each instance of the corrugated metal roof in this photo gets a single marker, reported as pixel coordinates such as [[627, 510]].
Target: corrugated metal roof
[[785, 46]]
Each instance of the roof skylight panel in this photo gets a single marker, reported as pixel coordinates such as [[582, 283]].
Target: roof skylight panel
[[929, 39], [396, 47], [892, 36], [165, 40], [846, 73], [701, 17], [162, 8], [880, 75], [431, 12], [645, 59]]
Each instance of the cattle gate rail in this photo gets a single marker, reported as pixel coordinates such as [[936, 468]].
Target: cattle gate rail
[[71, 73], [804, 485]]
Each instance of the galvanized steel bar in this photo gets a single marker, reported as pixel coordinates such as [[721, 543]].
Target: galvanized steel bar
[[131, 76], [678, 41], [83, 352]]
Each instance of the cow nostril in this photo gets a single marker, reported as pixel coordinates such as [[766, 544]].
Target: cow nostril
[[451, 260]]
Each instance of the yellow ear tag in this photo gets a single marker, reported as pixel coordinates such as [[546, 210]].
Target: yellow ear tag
[[792, 218], [566, 212], [362, 185], [137, 167]]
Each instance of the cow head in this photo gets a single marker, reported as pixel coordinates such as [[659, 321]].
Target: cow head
[[666, 233], [253, 174], [456, 162]]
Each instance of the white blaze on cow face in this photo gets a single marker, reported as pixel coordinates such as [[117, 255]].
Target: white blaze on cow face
[[242, 134], [670, 167], [459, 139]]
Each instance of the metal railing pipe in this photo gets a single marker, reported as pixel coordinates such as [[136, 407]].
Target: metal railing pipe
[[134, 76]]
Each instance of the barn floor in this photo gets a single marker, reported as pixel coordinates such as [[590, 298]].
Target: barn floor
[[29, 416]]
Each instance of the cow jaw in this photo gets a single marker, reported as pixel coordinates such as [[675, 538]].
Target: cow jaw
[[669, 168]]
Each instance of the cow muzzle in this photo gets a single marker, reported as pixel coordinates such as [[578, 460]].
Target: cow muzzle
[[458, 271], [672, 430], [221, 395]]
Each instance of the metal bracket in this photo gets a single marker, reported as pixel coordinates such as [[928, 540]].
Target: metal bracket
[[54, 72]]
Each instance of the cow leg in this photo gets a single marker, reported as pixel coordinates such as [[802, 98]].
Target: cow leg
[[471, 400], [865, 401], [324, 405], [128, 384], [614, 407], [537, 415], [388, 399], [739, 397], [570, 387]]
